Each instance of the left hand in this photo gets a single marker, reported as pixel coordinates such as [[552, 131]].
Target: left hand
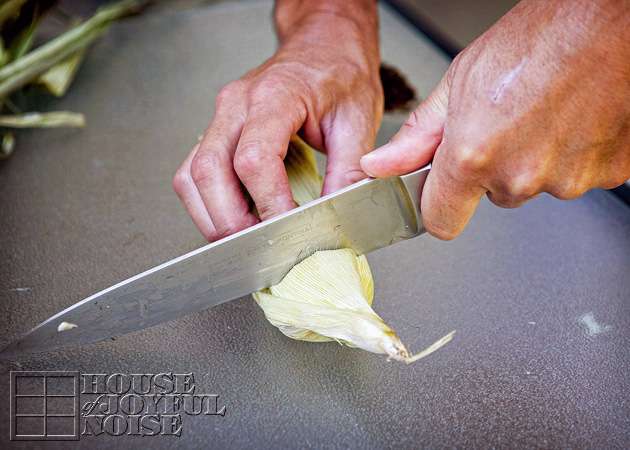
[[323, 82]]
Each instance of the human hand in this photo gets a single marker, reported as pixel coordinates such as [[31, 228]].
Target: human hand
[[539, 103], [323, 82]]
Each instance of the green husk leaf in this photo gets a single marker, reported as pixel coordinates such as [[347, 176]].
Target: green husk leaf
[[10, 9], [22, 70], [25, 39], [5, 55], [43, 120]]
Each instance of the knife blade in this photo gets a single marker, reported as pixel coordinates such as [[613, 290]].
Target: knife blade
[[365, 216]]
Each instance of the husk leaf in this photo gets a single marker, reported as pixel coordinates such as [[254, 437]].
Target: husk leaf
[[27, 67], [7, 145], [10, 9], [58, 78], [43, 120]]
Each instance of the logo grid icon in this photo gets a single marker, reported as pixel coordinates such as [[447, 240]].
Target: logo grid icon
[[44, 405]]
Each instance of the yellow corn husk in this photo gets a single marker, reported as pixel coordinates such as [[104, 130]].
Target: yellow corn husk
[[301, 167], [43, 120], [58, 78], [7, 145], [328, 296]]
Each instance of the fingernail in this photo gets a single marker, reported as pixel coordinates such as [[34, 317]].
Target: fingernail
[[376, 153]]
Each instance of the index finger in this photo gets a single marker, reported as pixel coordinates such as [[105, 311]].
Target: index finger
[[449, 196]]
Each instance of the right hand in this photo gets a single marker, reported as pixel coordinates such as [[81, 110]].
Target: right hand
[[323, 82], [539, 103]]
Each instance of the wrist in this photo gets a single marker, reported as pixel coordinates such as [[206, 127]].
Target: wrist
[[290, 15], [331, 28]]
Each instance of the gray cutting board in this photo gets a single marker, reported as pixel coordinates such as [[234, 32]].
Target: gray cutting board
[[539, 296]]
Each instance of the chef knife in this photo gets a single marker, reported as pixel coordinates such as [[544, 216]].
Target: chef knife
[[365, 216]]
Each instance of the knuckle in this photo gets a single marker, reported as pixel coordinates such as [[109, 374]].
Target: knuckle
[[211, 236], [225, 230], [266, 207], [181, 180], [418, 122], [248, 160], [352, 176], [228, 93], [570, 189], [566, 192], [344, 177], [265, 84], [413, 120], [562, 193], [524, 185], [267, 88], [203, 165], [505, 201], [470, 160], [458, 60]]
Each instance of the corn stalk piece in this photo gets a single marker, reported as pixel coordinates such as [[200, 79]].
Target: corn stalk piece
[[328, 296]]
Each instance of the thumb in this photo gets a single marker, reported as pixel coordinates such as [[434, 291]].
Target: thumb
[[415, 143]]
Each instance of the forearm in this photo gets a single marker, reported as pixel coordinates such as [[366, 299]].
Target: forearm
[[351, 26]]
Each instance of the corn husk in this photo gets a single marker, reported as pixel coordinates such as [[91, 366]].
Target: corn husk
[[24, 40], [58, 78], [43, 120], [10, 9], [7, 145], [301, 167], [5, 56], [328, 296], [27, 67]]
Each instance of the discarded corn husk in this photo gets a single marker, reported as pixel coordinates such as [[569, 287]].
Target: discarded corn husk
[[51, 66], [58, 78], [10, 9], [43, 120], [328, 296], [24, 40], [7, 145], [27, 67]]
